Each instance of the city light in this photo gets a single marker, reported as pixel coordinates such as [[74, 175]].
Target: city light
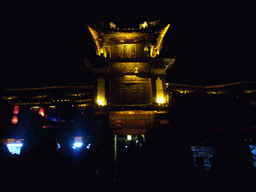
[[14, 145], [41, 111], [16, 110], [14, 148], [77, 145], [82, 105], [14, 119], [129, 137]]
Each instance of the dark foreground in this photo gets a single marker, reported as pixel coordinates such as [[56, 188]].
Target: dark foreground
[[158, 164]]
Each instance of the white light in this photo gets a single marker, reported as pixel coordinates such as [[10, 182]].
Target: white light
[[100, 102], [129, 137], [88, 146], [14, 145], [77, 145], [160, 100], [14, 148]]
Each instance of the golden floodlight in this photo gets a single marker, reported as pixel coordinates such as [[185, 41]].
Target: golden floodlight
[[100, 102], [160, 100]]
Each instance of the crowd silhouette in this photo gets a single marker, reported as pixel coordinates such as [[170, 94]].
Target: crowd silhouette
[[164, 161]]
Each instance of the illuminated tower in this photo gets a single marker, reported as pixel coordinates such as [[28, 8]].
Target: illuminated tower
[[131, 77]]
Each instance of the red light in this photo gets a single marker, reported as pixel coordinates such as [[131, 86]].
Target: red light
[[118, 123], [41, 111], [16, 110], [14, 119]]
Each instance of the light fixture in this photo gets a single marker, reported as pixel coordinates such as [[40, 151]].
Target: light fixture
[[100, 102], [129, 137], [160, 100], [14, 145], [77, 145]]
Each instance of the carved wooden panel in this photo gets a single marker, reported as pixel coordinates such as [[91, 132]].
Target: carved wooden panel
[[131, 121], [140, 51], [133, 53], [129, 51], [132, 93], [141, 92], [129, 68], [118, 51], [119, 95], [125, 51], [126, 95]]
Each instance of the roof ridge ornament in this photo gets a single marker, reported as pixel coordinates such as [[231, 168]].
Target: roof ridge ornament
[[112, 25], [144, 25]]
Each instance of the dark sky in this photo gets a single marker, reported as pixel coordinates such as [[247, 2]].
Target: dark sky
[[44, 43]]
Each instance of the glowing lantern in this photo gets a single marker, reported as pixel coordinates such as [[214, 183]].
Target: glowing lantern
[[14, 119], [41, 111], [16, 110]]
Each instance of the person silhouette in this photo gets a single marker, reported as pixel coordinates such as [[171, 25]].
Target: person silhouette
[[140, 140]]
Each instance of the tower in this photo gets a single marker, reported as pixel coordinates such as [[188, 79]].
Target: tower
[[131, 82]]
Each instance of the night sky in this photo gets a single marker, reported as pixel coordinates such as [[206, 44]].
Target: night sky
[[45, 43]]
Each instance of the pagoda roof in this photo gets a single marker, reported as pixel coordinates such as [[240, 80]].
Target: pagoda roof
[[157, 31]]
